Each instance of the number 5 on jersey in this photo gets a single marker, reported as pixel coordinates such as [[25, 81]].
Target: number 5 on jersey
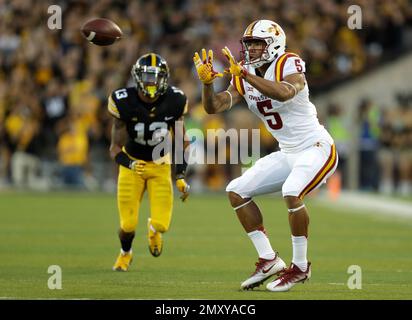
[[272, 118]]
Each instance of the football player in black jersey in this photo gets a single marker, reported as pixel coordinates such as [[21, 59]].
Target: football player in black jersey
[[144, 116]]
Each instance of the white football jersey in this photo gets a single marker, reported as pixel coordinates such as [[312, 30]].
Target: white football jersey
[[293, 123]]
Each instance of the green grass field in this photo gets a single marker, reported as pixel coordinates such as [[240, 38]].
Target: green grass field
[[206, 253]]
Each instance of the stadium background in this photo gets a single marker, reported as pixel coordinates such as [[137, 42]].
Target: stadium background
[[55, 130]]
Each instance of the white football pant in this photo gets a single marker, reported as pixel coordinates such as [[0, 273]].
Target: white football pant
[[295, 174]]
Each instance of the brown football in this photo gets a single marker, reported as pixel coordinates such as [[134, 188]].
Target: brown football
[[102, 32]]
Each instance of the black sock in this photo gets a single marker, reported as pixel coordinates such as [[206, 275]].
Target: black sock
[[126, 239]]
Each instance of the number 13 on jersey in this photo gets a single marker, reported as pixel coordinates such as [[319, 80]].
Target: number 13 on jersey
[[157, 130]]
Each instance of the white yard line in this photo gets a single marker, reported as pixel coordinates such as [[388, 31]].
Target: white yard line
[[369, 203]]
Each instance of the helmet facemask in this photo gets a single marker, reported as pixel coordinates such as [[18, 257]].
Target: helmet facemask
[[151, 80], [251, 56]]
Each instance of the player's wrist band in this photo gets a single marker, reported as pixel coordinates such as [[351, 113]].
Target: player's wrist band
[[294, 88], [231, 98], [244, 73], [123, 159]]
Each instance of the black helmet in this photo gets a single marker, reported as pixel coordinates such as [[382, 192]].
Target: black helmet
[[151, 74]]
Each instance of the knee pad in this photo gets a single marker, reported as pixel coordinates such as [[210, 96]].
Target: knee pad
[[290, 189], [159, 227], [129, 224], [236, 187]]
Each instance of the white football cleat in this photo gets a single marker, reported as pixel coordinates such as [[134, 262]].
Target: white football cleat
[[289, 278], [264, 270]]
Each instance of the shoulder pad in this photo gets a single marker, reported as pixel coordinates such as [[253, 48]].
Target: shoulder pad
[[112, 107], [181, 101], [287, 64]]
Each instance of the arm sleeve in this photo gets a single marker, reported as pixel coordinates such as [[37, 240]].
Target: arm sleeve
[[123, 159]]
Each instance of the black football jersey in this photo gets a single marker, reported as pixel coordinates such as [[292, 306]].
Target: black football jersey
[[147, 123]]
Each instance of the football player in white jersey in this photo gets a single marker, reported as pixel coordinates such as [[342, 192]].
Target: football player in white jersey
[[273, 84]]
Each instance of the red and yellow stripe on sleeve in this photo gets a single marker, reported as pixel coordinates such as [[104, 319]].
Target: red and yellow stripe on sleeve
[[281, 63]]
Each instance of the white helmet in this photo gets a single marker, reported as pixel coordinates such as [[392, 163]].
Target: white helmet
[[272, 34]]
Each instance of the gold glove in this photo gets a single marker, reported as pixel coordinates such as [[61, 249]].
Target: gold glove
[[138, 167], [235, 67], [183, 187], [204, 67]]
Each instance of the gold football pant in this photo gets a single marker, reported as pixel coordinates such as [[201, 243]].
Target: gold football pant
[[131, 186]]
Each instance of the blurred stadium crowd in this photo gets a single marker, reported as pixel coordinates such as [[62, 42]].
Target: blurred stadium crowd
[[54, 127]]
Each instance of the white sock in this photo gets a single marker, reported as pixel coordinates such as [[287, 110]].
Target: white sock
[[300, 248], [262, 244], [125, 252]]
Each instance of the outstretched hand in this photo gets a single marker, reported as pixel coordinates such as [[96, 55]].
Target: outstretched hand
[[204, 67], [235, 68], [183, 187]]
